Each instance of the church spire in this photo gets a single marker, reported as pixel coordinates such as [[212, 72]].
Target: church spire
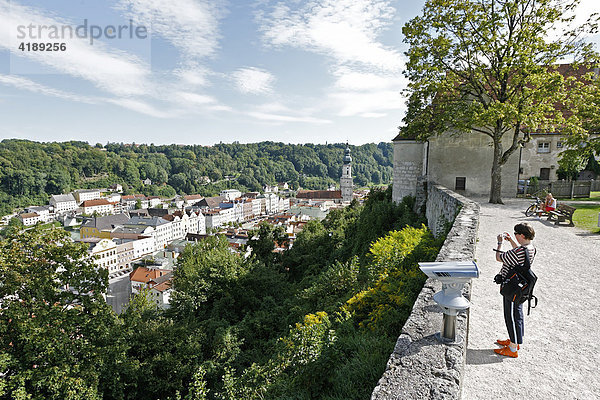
[[346, 181]]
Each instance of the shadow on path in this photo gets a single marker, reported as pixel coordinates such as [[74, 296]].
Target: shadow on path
[[482, 356]]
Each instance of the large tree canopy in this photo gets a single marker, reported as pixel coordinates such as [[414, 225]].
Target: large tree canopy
[[490, 67]]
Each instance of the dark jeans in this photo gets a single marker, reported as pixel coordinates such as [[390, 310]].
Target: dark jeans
[[513, 316]]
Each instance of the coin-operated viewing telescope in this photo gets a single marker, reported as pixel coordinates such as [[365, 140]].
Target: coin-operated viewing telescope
[[453, 275]]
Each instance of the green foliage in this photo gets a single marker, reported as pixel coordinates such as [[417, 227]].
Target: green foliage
[[263, 240], [205, 275], [30, 171], [388, 302], [255, 328], [54, 323]]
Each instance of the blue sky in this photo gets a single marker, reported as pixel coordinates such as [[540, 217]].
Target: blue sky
[[208, 72]]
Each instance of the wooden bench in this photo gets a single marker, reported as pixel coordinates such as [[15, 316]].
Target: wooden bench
[[562, 213]]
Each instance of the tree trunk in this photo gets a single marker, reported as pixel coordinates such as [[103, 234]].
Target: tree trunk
[[496, 187]]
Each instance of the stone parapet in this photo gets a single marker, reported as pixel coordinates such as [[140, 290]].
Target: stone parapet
[[421, 367]]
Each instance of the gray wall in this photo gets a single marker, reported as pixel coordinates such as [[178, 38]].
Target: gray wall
[[470, 155], [420, 367], [408, 168]]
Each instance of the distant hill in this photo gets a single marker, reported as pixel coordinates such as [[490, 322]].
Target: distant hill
[[31, 171]]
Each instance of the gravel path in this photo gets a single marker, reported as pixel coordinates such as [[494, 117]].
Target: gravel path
[[560, 358]]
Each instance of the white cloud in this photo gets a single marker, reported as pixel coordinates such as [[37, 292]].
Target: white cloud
[[366, 104], [111, 70], [194, 75], [346, 30], [141, 107], [350, 79], [29, 85], [285, 118], [192, 26], [253, 80]]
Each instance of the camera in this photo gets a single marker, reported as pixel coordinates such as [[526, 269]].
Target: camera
[[498, 279]]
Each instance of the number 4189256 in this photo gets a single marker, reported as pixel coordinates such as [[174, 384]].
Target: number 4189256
[[42, 46]]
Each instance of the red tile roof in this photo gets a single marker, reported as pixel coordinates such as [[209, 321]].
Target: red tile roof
[[98, 202], [319, 194]]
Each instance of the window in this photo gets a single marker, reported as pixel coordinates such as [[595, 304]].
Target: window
[[559, 145], [543, 147], [461, 183]]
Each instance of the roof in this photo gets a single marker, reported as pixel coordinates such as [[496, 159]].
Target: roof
[[105, 223], [319, 194], [97, 202], [62, 198], [28, 215], [193, 197], [129, 229], [86, 190], [401, 137], [145, 275], [134, 197], [147, 221], [212, 202], [139, 213]]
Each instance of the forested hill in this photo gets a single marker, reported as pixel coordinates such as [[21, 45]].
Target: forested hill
[[30, 171]]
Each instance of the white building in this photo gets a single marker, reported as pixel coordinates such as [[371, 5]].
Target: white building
[[154, 201], [99, 206], [230, 194], [212, 218], [104, 252], [43, 212], [163, 229], [29, 219], [86, 194], [63, 203], [143, 246], [284, 204]]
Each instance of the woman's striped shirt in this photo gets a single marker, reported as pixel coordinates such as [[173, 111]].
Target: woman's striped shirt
[[515, 257]]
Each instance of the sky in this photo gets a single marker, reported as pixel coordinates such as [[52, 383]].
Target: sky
[[205, 71]]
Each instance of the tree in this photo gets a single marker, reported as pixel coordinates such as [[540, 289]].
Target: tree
[[54, 322], [486, 67], [263, 241]]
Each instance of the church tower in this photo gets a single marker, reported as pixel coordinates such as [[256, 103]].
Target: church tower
[[346, 179]]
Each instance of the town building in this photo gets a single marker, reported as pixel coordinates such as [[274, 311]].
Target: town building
[[104, 252], [101, 227], [44, 212], [130, 202], [63, 203], [29, 219], [82, 195], [230, 194], [99, 206], [163, 229]]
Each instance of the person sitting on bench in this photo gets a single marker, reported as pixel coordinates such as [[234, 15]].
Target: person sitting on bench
[[549, 204]]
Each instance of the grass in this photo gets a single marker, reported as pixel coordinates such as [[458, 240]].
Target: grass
[[594, 196], [586, 217]]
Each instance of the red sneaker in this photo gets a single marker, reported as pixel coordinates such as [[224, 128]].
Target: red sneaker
[[506, 343], [505, 351]]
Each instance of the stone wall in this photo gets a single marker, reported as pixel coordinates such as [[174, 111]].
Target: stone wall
[[470, 156], [408, 167], [421, 367]]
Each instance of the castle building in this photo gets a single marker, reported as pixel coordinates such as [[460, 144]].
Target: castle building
[[346, 182]]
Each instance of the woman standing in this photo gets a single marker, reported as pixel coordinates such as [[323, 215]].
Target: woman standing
[[513, 312]]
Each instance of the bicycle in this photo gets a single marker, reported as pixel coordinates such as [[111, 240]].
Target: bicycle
[[534, 207]]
